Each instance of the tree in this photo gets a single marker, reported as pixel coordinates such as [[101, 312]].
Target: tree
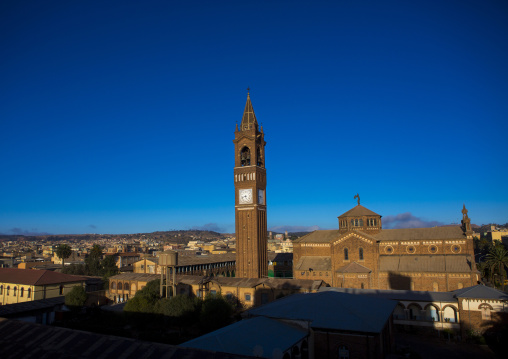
[[76, 297], [93, 261], [145, 299], [63, 252], [216, 312], [109, 267], [497, 259], [181, 309]]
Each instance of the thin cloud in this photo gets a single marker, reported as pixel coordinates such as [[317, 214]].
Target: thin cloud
[[25, 232], [407, 220], [280, 229], [213, 227], [93, 226]]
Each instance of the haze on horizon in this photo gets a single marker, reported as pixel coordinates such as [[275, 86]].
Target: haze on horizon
[[119, 117]]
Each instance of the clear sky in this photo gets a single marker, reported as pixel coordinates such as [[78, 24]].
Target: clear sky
[[119, 116]]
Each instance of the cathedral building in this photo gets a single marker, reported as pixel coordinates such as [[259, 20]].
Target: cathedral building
[[250, 197], [361, 254]]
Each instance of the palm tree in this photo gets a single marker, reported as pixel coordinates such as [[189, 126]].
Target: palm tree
[[497, 259], [63, 252]]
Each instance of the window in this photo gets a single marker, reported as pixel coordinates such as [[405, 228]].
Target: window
[[362, 286], [1, 289], [126, 286], [360, 253], [21, 291], [61, 290], [435, 287], [245, 156], [15, 291], [486, 315], [113, 285], [120, 286], [247, 297], [8, 289], [346, 254], [29, 293]]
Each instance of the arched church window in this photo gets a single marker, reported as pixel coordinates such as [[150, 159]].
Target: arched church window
[[259, 162], [360, 253], [245, 156], [346, 254]]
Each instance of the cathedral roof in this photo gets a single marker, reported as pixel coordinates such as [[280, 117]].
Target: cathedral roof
[[316, 263], [434, 233], [249, 118], [323, 236], [425, 263], [359, 211], [353, 268], [448, 232]]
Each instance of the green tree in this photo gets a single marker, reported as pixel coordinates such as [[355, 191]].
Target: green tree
[[181, 309], [109, 267], [145, 299], [497, 259], [63, 252], [76, 297], [216, 312], [93, 261]]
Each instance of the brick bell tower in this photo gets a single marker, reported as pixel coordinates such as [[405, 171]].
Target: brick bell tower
[[250, 197]]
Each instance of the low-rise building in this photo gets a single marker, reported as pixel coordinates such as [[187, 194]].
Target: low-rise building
[[24, 285]]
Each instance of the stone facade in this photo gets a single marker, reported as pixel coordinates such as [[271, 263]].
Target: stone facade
[[360, 254]]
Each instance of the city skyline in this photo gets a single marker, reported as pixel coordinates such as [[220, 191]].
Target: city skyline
[[120, 117]]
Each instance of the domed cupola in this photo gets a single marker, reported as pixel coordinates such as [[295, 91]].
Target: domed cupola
[[360, 218]]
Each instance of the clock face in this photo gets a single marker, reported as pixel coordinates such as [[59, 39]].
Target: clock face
[[261, 196], [245, 196]]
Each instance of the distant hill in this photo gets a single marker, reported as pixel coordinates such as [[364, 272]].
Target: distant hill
[[175, 236]]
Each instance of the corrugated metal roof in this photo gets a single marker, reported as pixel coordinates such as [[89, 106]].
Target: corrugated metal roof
[[257, 336], [25, 307], [28, 340], [316, 263], [36, 277], [331, 310], [425, 263]]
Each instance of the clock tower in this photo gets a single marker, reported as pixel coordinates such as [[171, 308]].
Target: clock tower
[[250, 197]]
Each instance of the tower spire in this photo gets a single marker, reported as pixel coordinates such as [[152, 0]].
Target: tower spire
[[249, 118]]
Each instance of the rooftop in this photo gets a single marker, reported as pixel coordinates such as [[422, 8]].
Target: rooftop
[[331, 310], [36, 277]]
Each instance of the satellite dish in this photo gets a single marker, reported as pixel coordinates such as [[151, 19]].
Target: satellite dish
[[257, 351]]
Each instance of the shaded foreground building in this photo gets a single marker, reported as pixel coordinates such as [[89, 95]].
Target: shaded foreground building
[[317, 325], [27, 340]]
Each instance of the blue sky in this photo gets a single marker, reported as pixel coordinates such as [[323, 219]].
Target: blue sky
[[119, 116]]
